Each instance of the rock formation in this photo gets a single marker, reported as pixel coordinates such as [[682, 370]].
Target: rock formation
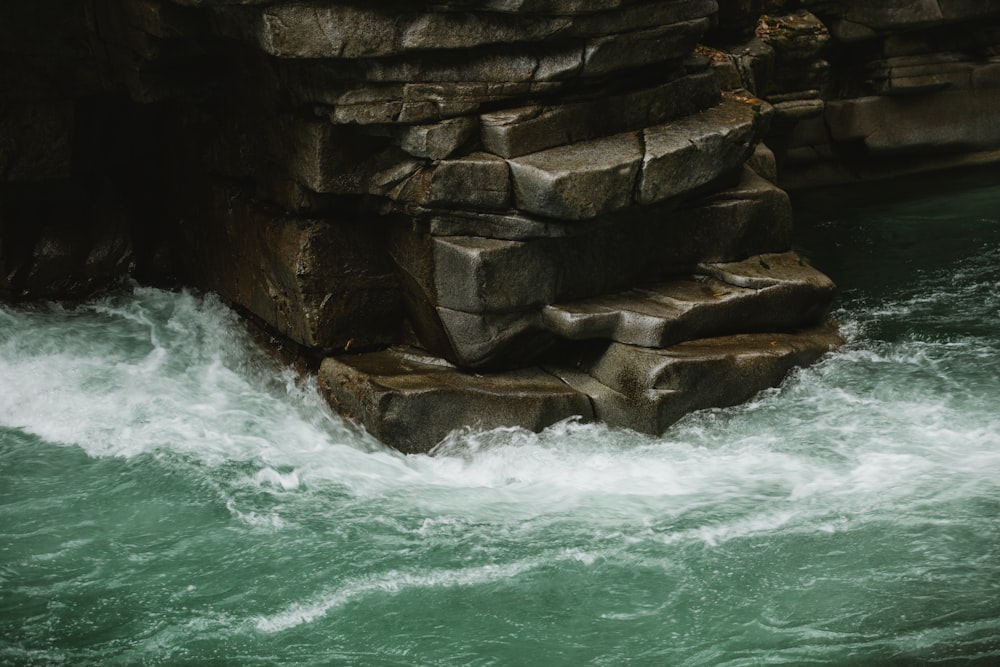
[[866, 90], [489, 213]]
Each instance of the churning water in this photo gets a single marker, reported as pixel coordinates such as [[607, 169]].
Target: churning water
[[168, 495]]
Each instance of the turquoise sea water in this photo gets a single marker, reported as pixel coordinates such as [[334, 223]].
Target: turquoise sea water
[[169, 495]]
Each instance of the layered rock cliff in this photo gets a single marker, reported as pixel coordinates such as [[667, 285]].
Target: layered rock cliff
[[868, 90], [495, 213]]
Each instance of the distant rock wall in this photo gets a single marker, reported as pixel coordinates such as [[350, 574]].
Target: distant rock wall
[[866, 90], [487, 213]]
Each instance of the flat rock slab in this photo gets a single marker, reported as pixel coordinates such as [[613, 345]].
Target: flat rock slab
[[578, 181], [695, 150], [436, 141], [775, 291], [373, 103], [411, 401], [649, 389], [851, 20], [519, 131], [956, 120], [343, 30], [591, 178], [476, 181]]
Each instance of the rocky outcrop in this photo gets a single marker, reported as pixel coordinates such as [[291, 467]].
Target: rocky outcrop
[[495, 213], [868, 90]]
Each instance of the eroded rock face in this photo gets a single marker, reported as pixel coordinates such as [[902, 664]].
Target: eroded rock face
[[866, 90], [518, 211], [413, 400], [324, 283]]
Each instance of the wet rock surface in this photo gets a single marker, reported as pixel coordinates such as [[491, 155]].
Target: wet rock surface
[[648, 389], [413, 400], [561, 208], [864, 90]]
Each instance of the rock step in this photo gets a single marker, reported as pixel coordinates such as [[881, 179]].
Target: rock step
[[773, 291], [308, 30], [649, 389], [412, 401], [929, 72], [475, 273], [591, 178], [477, 301], [519, 131], [949, 120], [547, 7]]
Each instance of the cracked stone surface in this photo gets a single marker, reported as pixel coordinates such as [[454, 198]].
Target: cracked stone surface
[[648, 389], [555, 204], [773, 291], [404, 397], [478, 301]]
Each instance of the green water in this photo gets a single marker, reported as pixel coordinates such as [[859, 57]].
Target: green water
[[170, 496]]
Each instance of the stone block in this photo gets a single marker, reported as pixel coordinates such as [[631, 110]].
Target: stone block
[[491, 340], [346, 31], [487, 275], [764, 292], [322, 283], [436, 141], [476, 181], [578, 181], [754, 61], [852, 20], [639, 15], [920, 74], [515, 63], [763, 162], [727, 76], [348, 98], [753, 217], [604, 55], [949, 120], [505, 226], [519, 131], [649, 389], [300, 30], [796, 37], [411, 401], [331, 159], [795, 111], [693, 151]]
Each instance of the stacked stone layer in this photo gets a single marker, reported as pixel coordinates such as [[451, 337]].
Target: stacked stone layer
[[495, 213], [867, 90]]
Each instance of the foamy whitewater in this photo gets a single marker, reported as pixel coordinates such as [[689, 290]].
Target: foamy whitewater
[[170, 495]]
